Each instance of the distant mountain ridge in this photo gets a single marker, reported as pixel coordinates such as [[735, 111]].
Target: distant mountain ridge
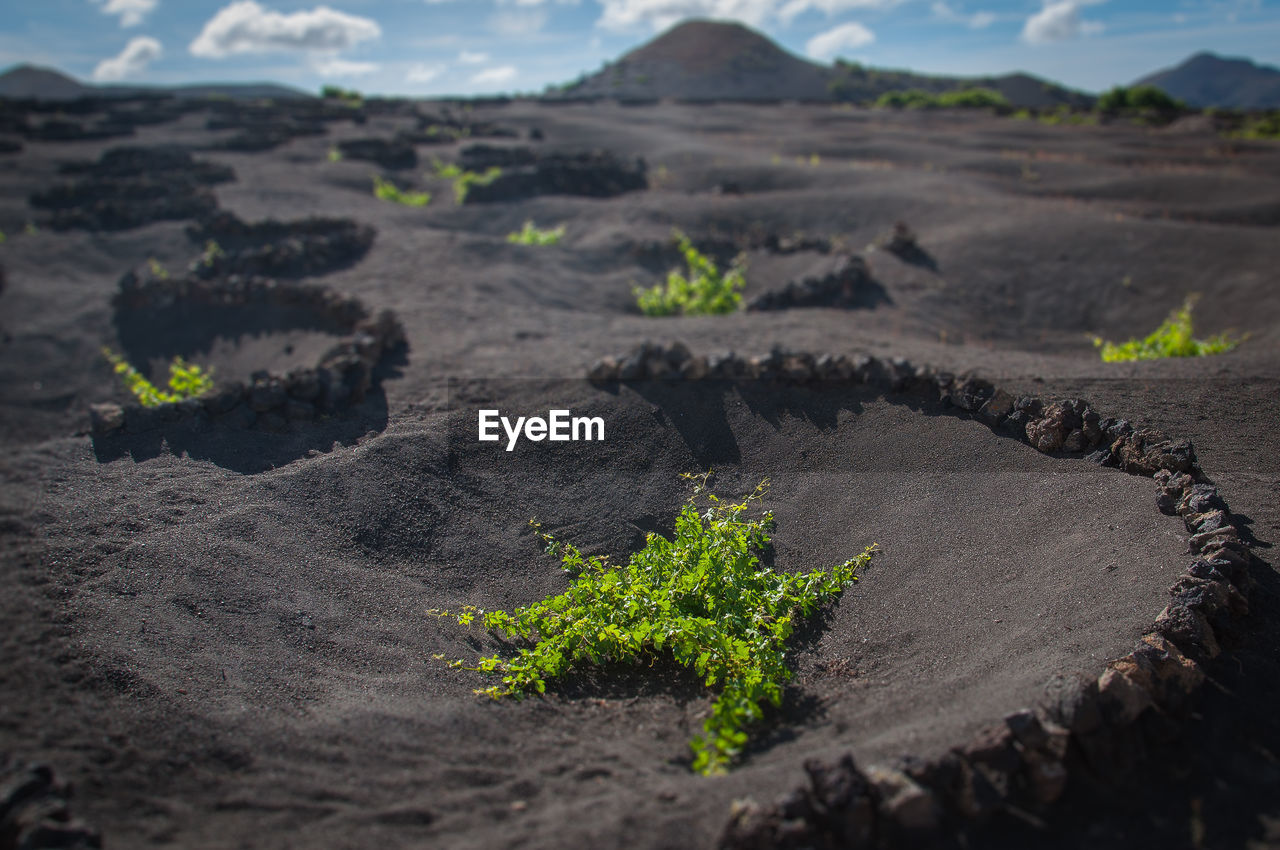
[[1210, 80], [715, 60], [29, 82]]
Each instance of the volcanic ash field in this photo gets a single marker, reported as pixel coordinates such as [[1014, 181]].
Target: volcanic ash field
[[218, 629]]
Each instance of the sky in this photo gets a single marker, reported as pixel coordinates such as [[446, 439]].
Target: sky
[[433, 48]]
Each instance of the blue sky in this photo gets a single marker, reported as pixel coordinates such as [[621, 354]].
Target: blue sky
[[440, 47]]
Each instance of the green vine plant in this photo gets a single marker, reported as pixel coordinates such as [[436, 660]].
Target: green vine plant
[[211, 254], [186, 380], [706, 291], [464, 180], [385, 190], [1174, 338], [462, 185], [158, 271], [702, 598], [532, 235]]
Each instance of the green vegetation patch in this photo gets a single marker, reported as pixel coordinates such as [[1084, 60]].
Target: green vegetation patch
[[702, 598], [464, 180], [1121, 98], [531, 235], [463, 183], [1172, 339], [385, 190], [186, 380], [1061, 114], [349, 97], [1248, 125], [972, 98], [704, 292]]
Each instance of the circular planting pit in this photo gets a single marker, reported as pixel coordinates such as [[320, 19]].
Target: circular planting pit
[[1001, 569], [590, 174], [271, 248], [265, 126], [325, 353], [781, 272], [132, 186], [392, 154], [926, 779]]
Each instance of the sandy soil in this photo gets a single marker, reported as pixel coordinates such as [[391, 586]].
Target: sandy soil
[[223, 640]]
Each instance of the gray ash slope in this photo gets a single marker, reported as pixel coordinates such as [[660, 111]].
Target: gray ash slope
[[209, 653]]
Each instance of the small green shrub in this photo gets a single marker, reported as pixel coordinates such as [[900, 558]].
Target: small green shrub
[[186, 380], [1064, 114], [704, 292], [1172, 339], [335, 155], [1121, 99], [531, 235], [385, 190], [349, 97], [702, 598], [464, 180], [211, 254], [463, 183], [1259, 126], [157, 269], [446, 170]]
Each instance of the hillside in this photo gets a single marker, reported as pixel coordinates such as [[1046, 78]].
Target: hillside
[[24, 82], [857, 83], [28, 82], [709, 60], [1209, 80]]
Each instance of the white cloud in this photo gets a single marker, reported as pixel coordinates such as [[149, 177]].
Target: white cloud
[[468, 57], [495, 76], [517, 24], [332, 66], [792, 8], [246, 27], [978, 20], [829, 44], [660, 14], [133, 60], [981, 20], [1059, 20], [420, 73], [131, 12], [625, 15]]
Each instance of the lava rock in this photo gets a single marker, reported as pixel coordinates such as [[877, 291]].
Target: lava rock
[[106, 418], [848, 285]]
